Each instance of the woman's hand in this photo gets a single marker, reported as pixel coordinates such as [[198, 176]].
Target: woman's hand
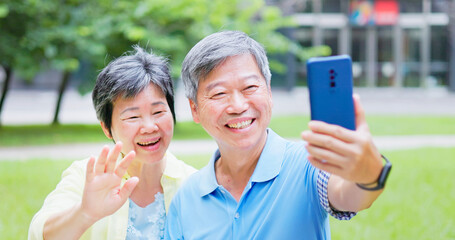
[[103, 193]]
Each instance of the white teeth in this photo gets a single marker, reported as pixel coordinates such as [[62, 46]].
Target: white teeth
[[240, 125], [147, 143]]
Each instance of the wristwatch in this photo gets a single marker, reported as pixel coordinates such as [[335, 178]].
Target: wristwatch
[[380, 183]]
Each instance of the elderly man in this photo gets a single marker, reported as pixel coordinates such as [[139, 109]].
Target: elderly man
[[258, 185]]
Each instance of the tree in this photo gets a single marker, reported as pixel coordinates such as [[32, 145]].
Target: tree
[[172, 27], [64, 34], [49, 37], [14, 54]]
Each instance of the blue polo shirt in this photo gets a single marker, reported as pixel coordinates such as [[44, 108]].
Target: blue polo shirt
[[280, 201]]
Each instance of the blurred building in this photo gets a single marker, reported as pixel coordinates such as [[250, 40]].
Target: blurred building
[[396, 43]]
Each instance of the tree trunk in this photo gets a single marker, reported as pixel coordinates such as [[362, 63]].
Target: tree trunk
[[5, 89], [61, 91]]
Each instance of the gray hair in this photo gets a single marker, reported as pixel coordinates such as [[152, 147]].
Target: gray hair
[[213, 50], [126, 77]]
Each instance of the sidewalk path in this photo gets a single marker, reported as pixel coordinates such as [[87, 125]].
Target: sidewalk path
[[206, 147]]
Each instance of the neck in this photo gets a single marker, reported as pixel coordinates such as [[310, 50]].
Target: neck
[[149, 175], [235, 167]]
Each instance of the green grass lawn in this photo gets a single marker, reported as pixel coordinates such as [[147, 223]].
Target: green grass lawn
[[418, 202], [290, 127]]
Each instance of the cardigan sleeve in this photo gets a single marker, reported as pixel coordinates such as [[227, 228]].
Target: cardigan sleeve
[[67, 193]]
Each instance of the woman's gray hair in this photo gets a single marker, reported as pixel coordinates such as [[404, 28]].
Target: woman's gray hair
[[126, 77], [213, 50]]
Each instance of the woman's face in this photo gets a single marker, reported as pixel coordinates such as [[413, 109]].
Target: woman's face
[[143, 124]]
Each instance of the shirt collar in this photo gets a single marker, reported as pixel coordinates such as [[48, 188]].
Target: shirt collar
[[271, 159], [208, 181], [267, 168], [173, 169]]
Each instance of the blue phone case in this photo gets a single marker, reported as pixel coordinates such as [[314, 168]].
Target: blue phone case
[[330, 88]]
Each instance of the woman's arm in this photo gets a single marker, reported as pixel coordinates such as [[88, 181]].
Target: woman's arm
[[103, 195]]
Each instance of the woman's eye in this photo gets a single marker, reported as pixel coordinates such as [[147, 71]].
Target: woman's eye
[[157, 112]]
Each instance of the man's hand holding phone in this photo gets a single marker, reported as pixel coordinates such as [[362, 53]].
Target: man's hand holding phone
[[349, 154], [339, 140]]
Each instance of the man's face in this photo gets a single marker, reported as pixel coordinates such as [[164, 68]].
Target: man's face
[[234, 104]]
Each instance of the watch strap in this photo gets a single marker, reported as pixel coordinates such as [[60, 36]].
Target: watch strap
[[380, 183]]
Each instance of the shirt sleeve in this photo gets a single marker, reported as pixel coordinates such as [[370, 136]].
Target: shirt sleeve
[[322, 183], [67, 193]]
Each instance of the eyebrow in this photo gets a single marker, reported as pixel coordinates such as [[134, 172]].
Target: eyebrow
[[136, 108], [215, 84]]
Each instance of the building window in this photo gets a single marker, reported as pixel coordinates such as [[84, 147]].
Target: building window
[[331, 6], [385, 66], [439, 6], [305, 37], [331, 39], [439, 59], [411, 6], [411, 57], [358, 55]]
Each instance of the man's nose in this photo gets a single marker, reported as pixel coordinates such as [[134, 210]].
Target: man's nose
[[237, 104]]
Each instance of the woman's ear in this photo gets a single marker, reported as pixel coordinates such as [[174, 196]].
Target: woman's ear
[[106, 131]]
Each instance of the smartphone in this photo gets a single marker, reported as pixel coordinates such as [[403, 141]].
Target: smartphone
[[330, 88]]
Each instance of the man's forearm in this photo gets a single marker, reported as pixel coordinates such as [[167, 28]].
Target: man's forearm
[[347, 196]]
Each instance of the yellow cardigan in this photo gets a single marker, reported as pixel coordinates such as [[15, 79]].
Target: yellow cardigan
[[69, 192]]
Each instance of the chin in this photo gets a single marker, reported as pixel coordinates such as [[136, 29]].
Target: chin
[[152, 157]]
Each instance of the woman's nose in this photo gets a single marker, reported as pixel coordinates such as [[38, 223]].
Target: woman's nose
[[148, 126]]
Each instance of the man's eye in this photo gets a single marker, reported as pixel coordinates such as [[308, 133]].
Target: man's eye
[[219, 94], [251, 88], [157, 112]]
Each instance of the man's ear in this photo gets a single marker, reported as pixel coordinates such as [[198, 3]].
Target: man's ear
[[105, 130], [271, 99], [193, 107]]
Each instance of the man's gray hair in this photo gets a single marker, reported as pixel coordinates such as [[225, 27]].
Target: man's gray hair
[[127, 76], [213, 50]]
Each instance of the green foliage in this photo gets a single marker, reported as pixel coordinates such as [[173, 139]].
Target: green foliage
[[3, 10], [65, 35]]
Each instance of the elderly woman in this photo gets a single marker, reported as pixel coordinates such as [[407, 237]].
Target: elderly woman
[[113, 197]]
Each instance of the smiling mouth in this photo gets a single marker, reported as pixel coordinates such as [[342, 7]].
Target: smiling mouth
[[240, 125], [146, 144]]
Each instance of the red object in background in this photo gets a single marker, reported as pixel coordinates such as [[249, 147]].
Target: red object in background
[[386, 12]]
